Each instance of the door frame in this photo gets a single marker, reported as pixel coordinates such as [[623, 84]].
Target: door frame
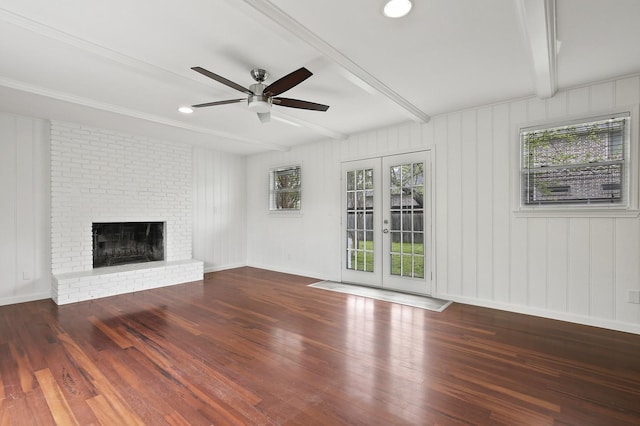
[[376, 278]]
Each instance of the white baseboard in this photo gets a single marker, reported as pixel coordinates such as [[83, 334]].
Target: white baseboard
[[291, 271], [561, 316], [24, 298], [223, 267]]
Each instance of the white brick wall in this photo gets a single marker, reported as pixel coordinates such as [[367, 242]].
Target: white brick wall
[[99, 175]]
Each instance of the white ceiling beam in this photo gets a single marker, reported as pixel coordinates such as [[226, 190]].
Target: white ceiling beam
[[538, 21], [90, 103], [295, 121], [285, 21]]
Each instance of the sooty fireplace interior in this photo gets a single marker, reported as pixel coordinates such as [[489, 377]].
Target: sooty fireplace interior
[[117, 243]]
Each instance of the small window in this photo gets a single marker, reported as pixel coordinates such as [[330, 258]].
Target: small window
[[284, 188], [576, 164]]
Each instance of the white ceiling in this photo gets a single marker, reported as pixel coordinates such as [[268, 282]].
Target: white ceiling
[[125, 64]]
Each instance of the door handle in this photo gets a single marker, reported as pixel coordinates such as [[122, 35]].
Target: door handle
[[385, 231]]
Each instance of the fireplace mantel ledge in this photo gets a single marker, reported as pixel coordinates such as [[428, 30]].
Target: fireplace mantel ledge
[[125, 268]]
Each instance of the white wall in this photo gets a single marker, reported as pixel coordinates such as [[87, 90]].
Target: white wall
[[576, 269], [219, 205], [24, 209]]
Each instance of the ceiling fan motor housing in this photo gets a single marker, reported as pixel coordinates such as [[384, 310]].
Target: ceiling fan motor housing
[[259, 102]]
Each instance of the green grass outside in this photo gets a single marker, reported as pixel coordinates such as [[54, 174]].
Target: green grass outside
[[400, 265]]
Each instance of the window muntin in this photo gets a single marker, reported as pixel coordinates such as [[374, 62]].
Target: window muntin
[[285, 188], [576, 164]]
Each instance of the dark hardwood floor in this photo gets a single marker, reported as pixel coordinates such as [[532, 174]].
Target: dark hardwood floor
[[250, 346]]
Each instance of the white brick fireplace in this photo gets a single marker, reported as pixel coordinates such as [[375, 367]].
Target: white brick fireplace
[[103, 176]]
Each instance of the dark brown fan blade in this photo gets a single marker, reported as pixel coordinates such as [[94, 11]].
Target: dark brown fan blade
[[222, 80], [230, 101], [296, 103], [287, 82]]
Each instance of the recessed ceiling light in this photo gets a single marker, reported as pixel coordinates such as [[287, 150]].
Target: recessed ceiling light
[[396, 8], [185, 110]]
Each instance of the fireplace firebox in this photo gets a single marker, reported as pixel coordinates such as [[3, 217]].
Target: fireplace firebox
[[118, 243]]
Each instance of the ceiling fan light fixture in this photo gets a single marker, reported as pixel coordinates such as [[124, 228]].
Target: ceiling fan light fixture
[[259, 103], [397, 8]]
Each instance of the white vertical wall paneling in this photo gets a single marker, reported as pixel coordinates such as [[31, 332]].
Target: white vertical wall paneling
[[393, 139], [427, 136], [469, 202], [404, 136], [627, 91], [454, 205], [627, 266], [42, 208], [484, 214], [198, 199], [219, 221], [536, 110], [503, 144], [519, 248], [25, 202], [602, 96], [24, 210], [557, 263], [441, 198], [416, 138], [557, 106], [627, 277], [579, 101], [381, 138], [602, 267], [8, 207], [578, 291], [537, 244], [537, 262]]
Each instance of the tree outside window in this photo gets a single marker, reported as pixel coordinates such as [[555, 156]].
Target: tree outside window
[[285, 188]]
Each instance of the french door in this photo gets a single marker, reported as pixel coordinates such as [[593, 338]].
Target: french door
[[386, 223]]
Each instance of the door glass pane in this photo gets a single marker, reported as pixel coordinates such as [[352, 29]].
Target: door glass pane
[[368, 184], [351, 201], [351, 180], [407, 219], [360, 216], [395, 220]]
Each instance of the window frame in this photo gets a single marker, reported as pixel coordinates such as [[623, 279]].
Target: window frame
[[273, 192], [628, 207]]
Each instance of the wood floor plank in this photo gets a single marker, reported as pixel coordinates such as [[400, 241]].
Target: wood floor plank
[[24, 369], [118, 338], [105, 411], [60, 409], [106, 391], [249, 346]]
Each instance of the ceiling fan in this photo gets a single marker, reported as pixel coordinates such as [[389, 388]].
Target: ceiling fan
[[260, 96]]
